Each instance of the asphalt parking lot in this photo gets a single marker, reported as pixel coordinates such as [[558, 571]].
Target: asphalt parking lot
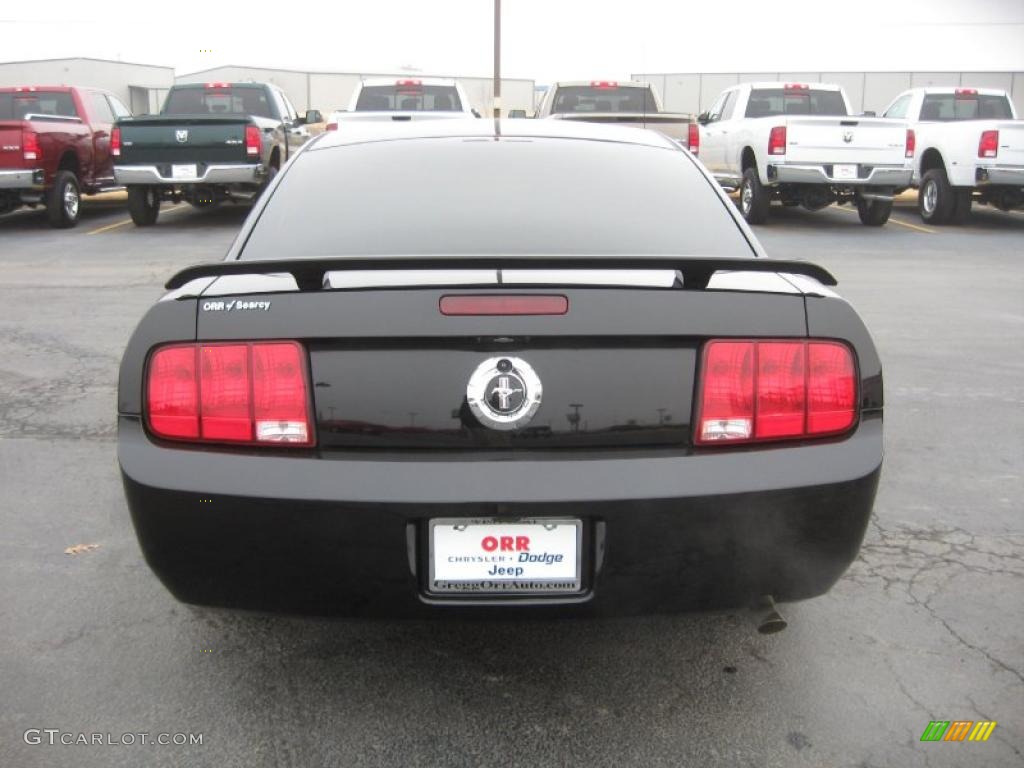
[[927, 624]]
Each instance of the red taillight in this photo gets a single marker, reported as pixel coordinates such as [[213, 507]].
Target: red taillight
[[331, 127], [796, 87], [504, 305], [777, 140], [408, 83], [218, 85], [252, 140], [911, 142], [603, 84], [988, 146], [30, 145], [115, 142], [965, 93], [693, 138], [772, 390], [252, 393]]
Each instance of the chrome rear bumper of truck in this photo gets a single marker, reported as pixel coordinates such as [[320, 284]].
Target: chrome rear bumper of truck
[[875, 176], [29, 178], [210, 174]]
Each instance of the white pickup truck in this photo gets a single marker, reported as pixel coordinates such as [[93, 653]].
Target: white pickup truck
[[798, 143], [386, 99], [970, 147], [630, 103]]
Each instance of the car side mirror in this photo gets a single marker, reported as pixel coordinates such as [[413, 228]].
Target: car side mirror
[[312, 116], [703, 118], [517, 114]]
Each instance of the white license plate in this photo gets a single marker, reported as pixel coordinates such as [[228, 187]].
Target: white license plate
[[184, 172], [494, 557], [844, 171]]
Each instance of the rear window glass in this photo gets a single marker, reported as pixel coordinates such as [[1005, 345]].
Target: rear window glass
[[236, 100], [773, 102], [476, 195], [409, 98], [577, 99], [15, 106], [949, 106]]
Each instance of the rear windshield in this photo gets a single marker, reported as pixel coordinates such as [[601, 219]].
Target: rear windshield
[[574, 99], [409, 98], [233, 100], [773, 102], [950, 106], [14, 106], [476, 195]]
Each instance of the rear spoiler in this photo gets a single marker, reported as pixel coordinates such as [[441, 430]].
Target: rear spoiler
[[309, 273]]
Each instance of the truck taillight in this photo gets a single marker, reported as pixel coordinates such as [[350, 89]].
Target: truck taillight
[[965, 93], [29, 144], [252, 140], [604, 84], [911, 142], [218, 85], [988, 146], [115, 142], [796, 87], [254, 393], [693, 137], [777, 140], [753, 391]]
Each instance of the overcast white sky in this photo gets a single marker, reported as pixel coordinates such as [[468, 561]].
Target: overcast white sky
[[543, 39]]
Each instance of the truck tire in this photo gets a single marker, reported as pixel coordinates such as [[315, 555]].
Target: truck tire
[[874, 213], [936, 199], [143, 205], [271, 173], [63, 201], [754, 199]]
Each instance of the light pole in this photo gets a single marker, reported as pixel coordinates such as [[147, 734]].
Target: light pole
[[497, 59]]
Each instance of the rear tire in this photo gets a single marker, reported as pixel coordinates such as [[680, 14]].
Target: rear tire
[[754, 199], [271, 173], [874, 213], [143, 205], [936, 199], [63, 201]]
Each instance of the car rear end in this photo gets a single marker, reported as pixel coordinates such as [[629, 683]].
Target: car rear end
[[207, 134], [359, 430], [381, 100], [22, 169], [813, 139]]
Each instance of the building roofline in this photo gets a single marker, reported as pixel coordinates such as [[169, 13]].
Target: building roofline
[[88, 58], [357, 74]]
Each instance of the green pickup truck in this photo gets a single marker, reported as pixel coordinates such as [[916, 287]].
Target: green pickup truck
[[211, 142]]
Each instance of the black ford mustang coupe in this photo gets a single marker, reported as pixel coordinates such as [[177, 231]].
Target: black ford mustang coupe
[[483, 366]]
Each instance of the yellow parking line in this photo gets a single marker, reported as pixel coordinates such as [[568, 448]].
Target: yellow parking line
[[907, 224], [118, 224]]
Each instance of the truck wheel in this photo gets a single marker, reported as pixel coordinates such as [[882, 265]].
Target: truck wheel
[[874, 213], [143, 205], [754, 200], [271, 173], [63, 201], [961, 205], [936, 198]]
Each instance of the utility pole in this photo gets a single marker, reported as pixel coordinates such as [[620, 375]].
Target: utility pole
[[497, 58]]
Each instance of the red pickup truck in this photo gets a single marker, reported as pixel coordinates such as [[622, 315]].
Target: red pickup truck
[[55, 146]]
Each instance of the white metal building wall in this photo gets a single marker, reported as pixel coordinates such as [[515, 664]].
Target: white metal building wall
[[868, 91], [140, 86]]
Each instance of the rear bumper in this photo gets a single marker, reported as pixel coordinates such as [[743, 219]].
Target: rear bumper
[[31, 178], [1008, 176], [211, 174], [877, 176], [346, 535]]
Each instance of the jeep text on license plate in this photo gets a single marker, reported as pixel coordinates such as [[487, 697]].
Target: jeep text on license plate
[[537, 556]]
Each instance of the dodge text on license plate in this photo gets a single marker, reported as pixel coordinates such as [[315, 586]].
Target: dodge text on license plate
[[521, 557]]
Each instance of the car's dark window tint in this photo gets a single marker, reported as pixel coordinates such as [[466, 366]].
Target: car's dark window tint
[[575, 99], [949, 106], [775, 102], [477, 196], [412, 97], [14, 106], [234, 100]]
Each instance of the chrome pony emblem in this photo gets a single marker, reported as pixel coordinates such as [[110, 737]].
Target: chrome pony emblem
[[504, 393], [181, 136]]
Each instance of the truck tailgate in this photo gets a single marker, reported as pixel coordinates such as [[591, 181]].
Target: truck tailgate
[[1011, 143], [867, 141], [675, 126], [183, 139], [11, 156]]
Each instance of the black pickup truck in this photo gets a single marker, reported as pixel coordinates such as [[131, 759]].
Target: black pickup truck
[[211, 142]]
